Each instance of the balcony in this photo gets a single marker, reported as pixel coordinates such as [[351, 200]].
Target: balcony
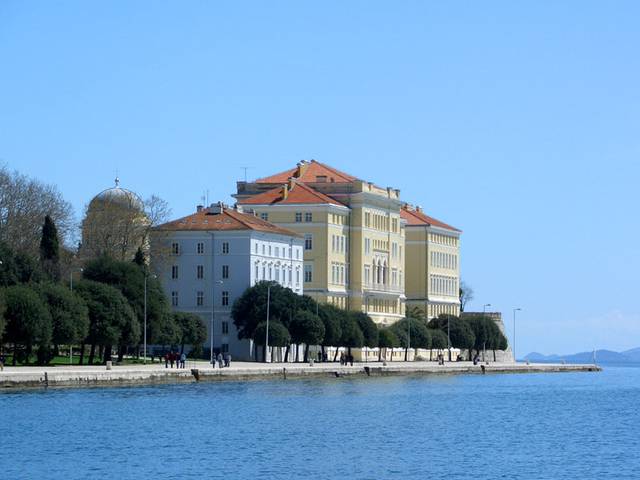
[[383, 288]]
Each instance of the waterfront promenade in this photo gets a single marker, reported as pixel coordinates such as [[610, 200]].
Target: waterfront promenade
[[98, 375]]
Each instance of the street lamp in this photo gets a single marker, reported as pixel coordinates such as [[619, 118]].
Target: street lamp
[[146, 275], [514, 332], [71, 276], [266, 335], [213, 314]]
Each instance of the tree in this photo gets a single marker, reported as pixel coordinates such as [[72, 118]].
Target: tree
[[69, 314], [3, 307], [24, 203], [111, 318], [191, 330], [460, 332], [487, 333], [250, 309], [129, 279], [387, 339], [140, 258], [352, 336], [412, 333], [17, 268], [50, 249], [368, 328], [306, 328], [330, 316], [278, 335], [28, 323], [438, 339], [466, 295]]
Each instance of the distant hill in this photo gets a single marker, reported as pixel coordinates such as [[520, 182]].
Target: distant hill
[[602, 356]]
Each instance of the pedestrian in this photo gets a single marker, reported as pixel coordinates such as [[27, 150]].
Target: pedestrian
[[351, 359], [172, 358], [341, 358], [2, 360], [183, 359], [166, 360], [220, 360], [226, 359]]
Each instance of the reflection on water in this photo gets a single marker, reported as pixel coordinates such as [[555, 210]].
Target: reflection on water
[[574, 425]]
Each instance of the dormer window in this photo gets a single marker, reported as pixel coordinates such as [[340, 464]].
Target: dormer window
[[321, 178]]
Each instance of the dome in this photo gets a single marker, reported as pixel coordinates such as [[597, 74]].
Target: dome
[[119, 196]]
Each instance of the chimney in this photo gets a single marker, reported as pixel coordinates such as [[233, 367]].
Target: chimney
[[285, 191], [199, 208], [302, 167], [418, 208], [216, 208]]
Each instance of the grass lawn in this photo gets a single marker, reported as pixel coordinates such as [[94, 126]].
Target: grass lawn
[[64, 360]]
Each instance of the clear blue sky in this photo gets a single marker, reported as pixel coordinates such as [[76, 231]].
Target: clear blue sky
[[517, 122]]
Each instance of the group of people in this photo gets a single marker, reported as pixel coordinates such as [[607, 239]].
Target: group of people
[[175, 357], [222, 360], [346, 359]]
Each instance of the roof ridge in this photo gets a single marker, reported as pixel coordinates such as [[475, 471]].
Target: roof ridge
[[346, 175]]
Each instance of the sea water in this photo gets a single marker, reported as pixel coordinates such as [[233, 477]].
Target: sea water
[[514, 426]]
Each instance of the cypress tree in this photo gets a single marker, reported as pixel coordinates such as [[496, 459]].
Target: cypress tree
[[139, 258], [50, 249]]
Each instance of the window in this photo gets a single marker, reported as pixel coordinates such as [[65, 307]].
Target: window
[[367, 219], [225, 271], [297, 276], [308, 273], [200, 272], [174, 272], [257, 273], [277, 251], [200, 248], [269, 250], [256, 249], [367, 274], [308, 241], [263, 247], [367, 246], [225, 328], [264, 216], [174, 298], [199, 299], [290, 256], [225, 248], [308, 217], [342, 244], [225, 298], [277, 274], [298, 217], [175, 248]]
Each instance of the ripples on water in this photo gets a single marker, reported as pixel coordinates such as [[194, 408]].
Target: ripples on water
[[534, 426]]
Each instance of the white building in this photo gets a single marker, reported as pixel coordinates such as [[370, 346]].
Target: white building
[[214, 255]]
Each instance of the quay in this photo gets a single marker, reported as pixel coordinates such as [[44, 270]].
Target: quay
[[128, 375]]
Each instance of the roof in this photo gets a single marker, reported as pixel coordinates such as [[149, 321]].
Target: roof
[[415, 217], [120, 196], [309, 172], [297, 192], [228, 220]]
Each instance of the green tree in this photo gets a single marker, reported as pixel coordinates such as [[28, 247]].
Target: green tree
[[352, 336], [17, 268], [368, 328], [387, 339], [140, 258], [28, 323], [438, 339], [306, 328], [412, 333], [460, 332], [278, 336], [330, 316], [250, 309], [191, 330], [50, 250], [129, 278], [487, 333], [69, 314], [111, 318]]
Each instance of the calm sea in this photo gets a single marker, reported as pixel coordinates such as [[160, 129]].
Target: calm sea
[[534, 426]]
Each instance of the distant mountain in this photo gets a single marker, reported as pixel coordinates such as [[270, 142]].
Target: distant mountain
[[602, 356]]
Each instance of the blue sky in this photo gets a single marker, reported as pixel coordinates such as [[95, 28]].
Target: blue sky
[[517, 122]]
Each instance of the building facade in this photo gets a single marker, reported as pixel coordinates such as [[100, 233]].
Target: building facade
[[354, 235], [432, 263], [214, 255]]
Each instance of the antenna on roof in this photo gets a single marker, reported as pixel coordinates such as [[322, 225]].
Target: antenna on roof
[[207, 197], [245, 172], [117, 178]]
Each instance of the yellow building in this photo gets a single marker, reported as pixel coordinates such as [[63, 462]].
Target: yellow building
[[432, 263], [354, 235]]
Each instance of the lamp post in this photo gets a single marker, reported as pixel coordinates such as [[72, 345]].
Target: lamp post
[[146, 275], [266, 335], [514, 332], [213, 314], [71, 276], [408, 337]]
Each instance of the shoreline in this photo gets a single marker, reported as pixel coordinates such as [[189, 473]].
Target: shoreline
[[15, 378]]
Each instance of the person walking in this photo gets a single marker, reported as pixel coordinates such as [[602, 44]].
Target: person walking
[[172, 358], [220, 360], [183, 359], [166, 360], [2, 360], [228, 359]]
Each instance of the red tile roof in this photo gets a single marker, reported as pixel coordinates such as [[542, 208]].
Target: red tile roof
[[415, 218], [228, 220], [309, 172], [298, 192]]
